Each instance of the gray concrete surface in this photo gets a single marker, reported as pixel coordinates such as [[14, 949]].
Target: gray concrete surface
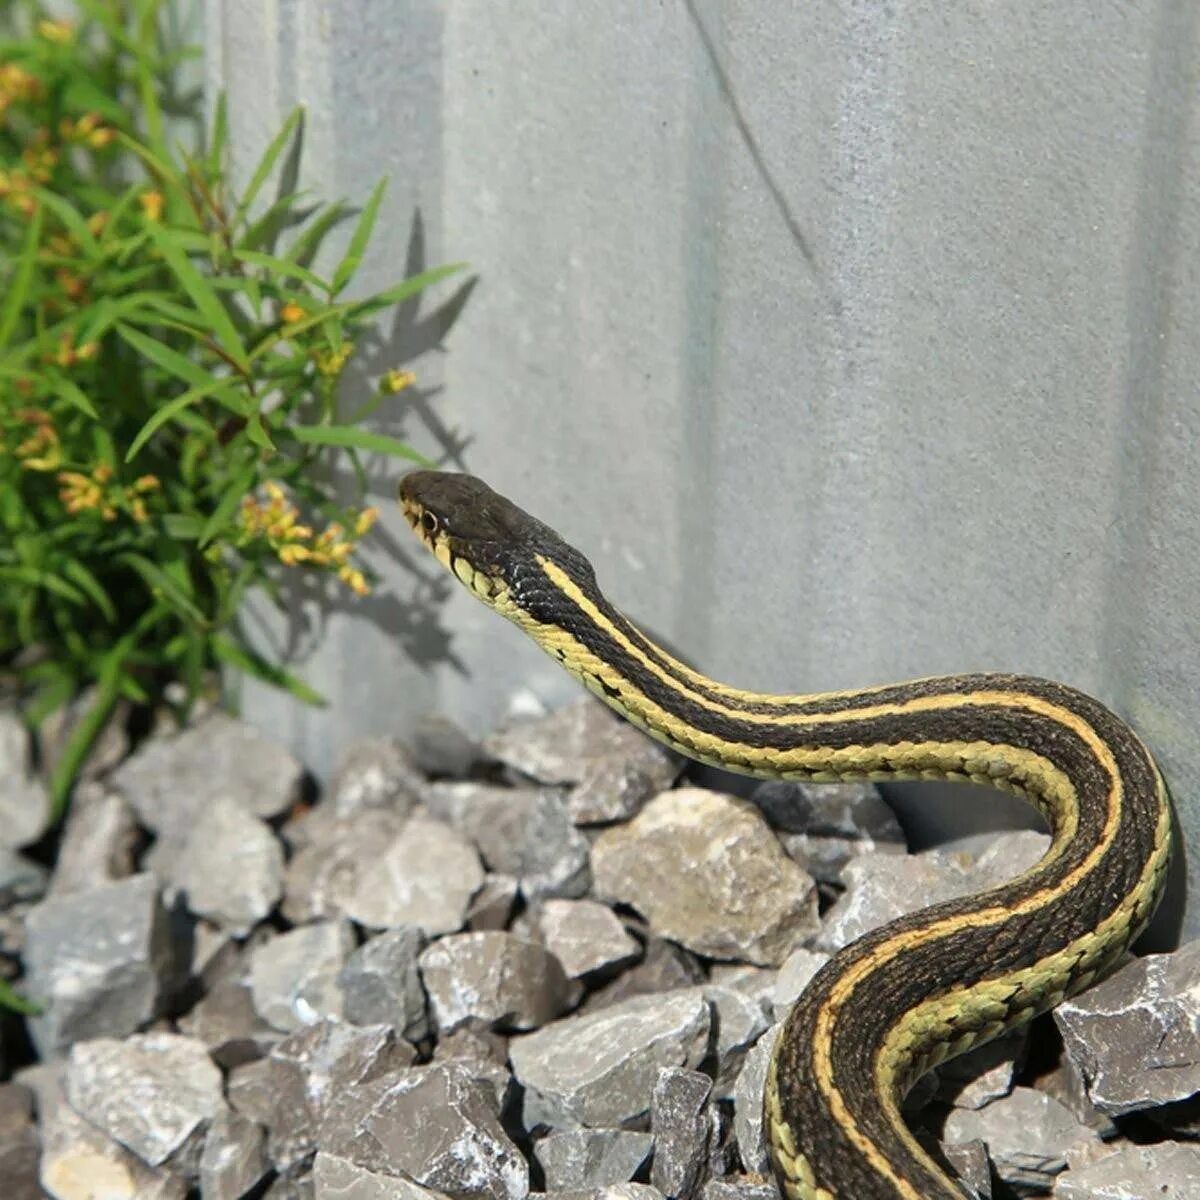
[[851, 341]]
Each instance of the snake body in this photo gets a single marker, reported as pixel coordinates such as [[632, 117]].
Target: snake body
[[926, 987]]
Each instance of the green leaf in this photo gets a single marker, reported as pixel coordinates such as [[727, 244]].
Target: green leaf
[[257, 434], [72, 221], [76, 571], [183, 526], [265, 229], [235, 489], [359, 238], [36, 578], [304, 249], [402, 291], [281, 267], [86, 730], [72, 393], [246, 660], [215, 158], [202, 294], [267, 163], [54, 690], [17, 1003], [359, 439], [162, 170], [162, 585], [22, 277]]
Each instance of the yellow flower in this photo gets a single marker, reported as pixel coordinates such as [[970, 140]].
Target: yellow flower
[[366, 519], [355, 580], [40, 451], [290, 312], [396, 380], [152, 205], [146, 483], [59, 32], [78, 491], [333, 362]]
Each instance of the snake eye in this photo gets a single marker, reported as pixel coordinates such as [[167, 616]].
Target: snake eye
[[429, 522]]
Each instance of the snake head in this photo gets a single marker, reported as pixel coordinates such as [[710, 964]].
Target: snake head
[[490, 544]]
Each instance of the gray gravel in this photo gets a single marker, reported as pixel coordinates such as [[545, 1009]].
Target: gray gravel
[[467, 962]]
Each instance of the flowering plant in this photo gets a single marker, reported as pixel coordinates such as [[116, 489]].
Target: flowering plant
[[169, 367]]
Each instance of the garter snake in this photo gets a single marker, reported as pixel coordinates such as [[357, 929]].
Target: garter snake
[[902, 999]]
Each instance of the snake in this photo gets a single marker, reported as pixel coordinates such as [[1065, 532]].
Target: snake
[[930, 985]]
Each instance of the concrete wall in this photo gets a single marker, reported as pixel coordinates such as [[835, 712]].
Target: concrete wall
[[850, 340]]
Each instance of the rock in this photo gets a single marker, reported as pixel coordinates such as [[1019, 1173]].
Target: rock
[[1006, 855], [882, 887], [679, 1119], [1167, 1171], [1136, 1037], [433, 1124], [170, 781], [494, 979], [491, 907], [614, 767], [1066, 1085], [599, 1070], [738, 1023], [226, 1021], [585, 936], [376, 773], [794, 976], [614, 1191], [1030, 1136], [441, 750], [706, 871], [582, 1159], [330, 854], [336, 1178], [79, 1162], [252, 1092], [97, 961], [293, 977], [748, 1104], [381, 983], [230, 866], [853, 810], [24, 802], [155, 1093], [824, 858], [970, 1160], [110, 746], [234, 1160], [663, 968], [985, 1073], [740, 1187], [310, 1074], [21, 879], [381, 874], [483, 1054], [20, 1146], [98, 842], [291, 1187], [523, 832]]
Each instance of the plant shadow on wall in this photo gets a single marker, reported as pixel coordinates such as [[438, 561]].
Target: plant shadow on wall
[[183, 393], [308, 600]]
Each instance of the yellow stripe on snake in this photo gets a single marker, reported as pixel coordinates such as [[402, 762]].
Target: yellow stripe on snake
[[926, 987]]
